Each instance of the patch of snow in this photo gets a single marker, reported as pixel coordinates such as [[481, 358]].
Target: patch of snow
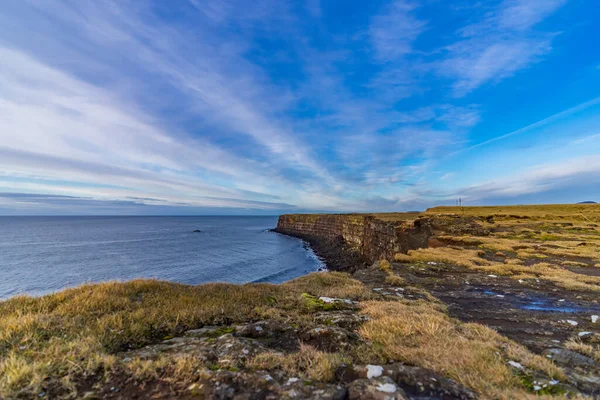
[[537, 387], [521, 281], [515, 364], [377, 289], [258, 328], [582, 334], [554, 382], [373, 371], [561, 300], [594, 319], [556, 341], [431, 263], [499, 295], [572, 323], [492, 276], [387, 388]]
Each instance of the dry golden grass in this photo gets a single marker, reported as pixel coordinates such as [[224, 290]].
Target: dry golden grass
[[589, 349], [391, 278], [471, 354], [64, 334], [571, 212], [308, 363], [515, 269], [55, 339]]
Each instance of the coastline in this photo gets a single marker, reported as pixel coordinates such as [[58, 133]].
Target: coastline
[[335, 253]]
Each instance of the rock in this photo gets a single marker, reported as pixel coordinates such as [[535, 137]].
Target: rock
[[273, 334], [569, 358], [225, 384], [416, 382], [343, 319], [263, 329], [330, 338], [196, 231], [383, 388]]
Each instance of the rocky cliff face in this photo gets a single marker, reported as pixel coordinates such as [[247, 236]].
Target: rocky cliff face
[[368, 236]]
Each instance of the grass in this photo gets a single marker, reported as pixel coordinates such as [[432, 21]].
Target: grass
[[55, 341], [471, 354], [571, 212], [522, 242], [391, 278]]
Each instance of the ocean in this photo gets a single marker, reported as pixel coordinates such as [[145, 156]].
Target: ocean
[[40, 255]]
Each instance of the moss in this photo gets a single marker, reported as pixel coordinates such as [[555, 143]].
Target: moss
[[313, 303]]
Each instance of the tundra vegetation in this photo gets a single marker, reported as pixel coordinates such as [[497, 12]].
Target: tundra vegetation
[[156, 339]]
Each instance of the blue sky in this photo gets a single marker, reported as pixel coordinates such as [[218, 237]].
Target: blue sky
[[271, 106]]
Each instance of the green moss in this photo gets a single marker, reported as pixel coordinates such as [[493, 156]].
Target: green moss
[[315, 304], [528, 383]]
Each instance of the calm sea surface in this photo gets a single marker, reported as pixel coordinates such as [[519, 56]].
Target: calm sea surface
[[41, 255]]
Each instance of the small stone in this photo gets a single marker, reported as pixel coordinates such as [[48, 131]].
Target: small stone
[[387, 388], [515, 364], [374, 371]]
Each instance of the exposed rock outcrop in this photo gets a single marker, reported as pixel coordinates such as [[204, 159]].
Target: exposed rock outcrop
[[365, 237]]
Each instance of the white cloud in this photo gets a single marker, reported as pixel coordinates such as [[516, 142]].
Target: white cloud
[[499, 45]]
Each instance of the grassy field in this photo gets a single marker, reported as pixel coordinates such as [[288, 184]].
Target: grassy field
[[54, 343], [558, 243], [568, 212]]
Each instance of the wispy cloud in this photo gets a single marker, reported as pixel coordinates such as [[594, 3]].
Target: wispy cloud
[[500, 44], [267, 105]]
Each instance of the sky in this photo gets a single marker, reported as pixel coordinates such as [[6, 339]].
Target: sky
[[193, 107]]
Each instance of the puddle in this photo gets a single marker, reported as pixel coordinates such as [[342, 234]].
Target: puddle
[[536, 303]]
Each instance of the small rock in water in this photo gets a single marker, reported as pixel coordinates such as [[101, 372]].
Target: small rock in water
[[196, 231], [373, 371], [594, 319]]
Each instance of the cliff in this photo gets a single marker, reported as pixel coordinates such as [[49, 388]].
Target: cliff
[[369, 237]]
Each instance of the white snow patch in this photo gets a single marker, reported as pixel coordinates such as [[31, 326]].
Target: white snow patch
[[373, 371], [582, 334], [292, 380], [492, 276], [594, 319], [554, 382], [515, 364], [561, 300], [537, 387], [432, 263], [258, 328], [572, 323], [499, 295], [387, 388]]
